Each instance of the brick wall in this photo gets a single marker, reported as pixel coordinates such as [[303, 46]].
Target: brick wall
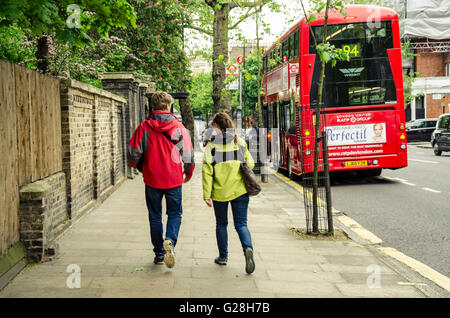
[[126, 85], [42, 213], [431, 64], [91, 125], [93, 144], [434, 106]]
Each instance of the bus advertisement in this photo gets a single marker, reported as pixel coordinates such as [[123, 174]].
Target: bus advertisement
[[363, 103]]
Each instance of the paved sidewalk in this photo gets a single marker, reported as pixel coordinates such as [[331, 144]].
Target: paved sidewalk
[[112, 247]]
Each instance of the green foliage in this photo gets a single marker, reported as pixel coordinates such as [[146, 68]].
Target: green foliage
[[13, 46], [409, 77], [329, 53], [51, 16], [200, 94], [153, 47], [157, 43], [106, 55], [251, 81]]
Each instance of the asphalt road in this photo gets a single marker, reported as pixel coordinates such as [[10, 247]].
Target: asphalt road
[[409, 208]]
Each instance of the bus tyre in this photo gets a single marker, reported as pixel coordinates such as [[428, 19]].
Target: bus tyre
[[374, 172], [436, 150]]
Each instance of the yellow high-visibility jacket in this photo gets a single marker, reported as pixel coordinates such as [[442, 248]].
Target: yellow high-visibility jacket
[[221, 173]]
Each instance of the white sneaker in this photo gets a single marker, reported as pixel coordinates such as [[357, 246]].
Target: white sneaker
[[169, 258]]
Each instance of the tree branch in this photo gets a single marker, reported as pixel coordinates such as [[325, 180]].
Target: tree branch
[[199, 29], [242, 18], [245, 4]]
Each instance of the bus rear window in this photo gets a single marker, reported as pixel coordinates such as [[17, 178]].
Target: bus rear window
[[366, 79]]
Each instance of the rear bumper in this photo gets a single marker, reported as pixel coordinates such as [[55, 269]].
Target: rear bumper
[[389, 161]]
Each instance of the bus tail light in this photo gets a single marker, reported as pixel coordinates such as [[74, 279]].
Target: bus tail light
[[307, 143], [307, 133], [402, 127], [375, 161], [402, 146], [402, 137], [308, 152], [269, 135]]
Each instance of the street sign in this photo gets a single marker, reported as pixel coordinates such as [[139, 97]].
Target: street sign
[[231, 70], [293, 68], [240, 59]]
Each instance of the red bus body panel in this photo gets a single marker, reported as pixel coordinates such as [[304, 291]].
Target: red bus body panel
[[345, 120]]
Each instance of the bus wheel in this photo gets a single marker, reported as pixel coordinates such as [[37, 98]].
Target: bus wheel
[[436, 150], [373, 172]]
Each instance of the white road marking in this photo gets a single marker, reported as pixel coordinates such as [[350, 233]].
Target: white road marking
[[431, 190], [424, 161], [403, 181]]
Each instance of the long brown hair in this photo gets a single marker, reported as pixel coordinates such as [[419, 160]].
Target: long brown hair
[[224, 121]]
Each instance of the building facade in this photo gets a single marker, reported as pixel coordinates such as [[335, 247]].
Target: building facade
[[425, 25]]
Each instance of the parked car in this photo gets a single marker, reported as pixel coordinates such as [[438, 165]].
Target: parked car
[[440, 139], [420, 129]]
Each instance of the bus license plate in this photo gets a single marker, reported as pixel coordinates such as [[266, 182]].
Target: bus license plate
[[356, 163]]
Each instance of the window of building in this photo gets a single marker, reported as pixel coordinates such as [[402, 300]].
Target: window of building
[[447, 69]]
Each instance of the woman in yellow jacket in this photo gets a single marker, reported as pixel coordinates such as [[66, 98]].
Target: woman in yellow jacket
[[223, 183]]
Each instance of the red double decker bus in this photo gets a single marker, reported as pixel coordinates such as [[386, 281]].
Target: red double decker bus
[[363, 99]]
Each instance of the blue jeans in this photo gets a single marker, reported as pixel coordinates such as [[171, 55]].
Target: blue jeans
[[239, 207], [153, 198]]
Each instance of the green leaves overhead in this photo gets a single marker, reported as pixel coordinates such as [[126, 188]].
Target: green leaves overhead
[[95, 36], [157, 43], [46, 16], [329, 53]]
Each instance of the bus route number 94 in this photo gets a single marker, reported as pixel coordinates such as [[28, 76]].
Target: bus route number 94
[[352, 50]]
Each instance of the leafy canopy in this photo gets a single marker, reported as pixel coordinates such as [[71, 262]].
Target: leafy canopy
[[72, 21]]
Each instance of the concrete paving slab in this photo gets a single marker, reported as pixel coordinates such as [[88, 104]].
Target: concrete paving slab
[[306, 289], [362, 290], [112, 247]]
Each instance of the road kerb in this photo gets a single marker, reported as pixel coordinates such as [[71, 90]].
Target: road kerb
[[359, 230], [350, 224], [345, 220], [424, 270]]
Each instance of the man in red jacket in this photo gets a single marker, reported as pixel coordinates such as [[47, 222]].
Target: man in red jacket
[[158, 147]]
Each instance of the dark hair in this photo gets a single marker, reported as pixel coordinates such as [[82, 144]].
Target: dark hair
[[224, 121]]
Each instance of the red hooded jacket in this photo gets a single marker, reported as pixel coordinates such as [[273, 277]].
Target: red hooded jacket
[[158, 147]]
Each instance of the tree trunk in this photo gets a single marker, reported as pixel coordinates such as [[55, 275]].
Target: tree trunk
[[220, 47], [42, 54], [188, 117], [318, 131]]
